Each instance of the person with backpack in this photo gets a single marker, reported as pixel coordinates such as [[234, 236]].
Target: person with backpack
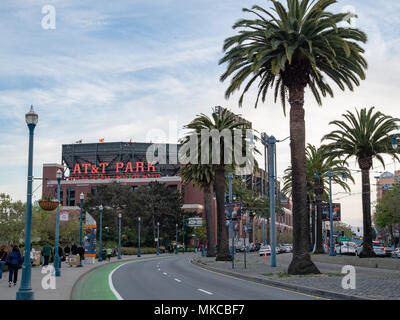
[[3, 258], [14, 261]]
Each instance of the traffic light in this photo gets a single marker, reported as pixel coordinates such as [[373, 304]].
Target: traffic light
[[358, 229]]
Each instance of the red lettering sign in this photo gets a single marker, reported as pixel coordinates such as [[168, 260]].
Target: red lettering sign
[[118, 165], [139, 165], [128, 167], [103, 166], [76, 169], [150, 165]]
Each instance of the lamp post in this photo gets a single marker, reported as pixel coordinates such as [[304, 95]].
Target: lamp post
[[264, 141], [271, 142], [119, 235], [176, 239], [138, 237], [183, 235], [394, 145], [57, 258], [158, 238], [331, 247], [100, 236], [81, 197], [25, 291]]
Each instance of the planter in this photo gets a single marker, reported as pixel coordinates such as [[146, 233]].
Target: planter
[[48, 205]]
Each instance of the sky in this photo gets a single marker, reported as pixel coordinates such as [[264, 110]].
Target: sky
[[130, 69]]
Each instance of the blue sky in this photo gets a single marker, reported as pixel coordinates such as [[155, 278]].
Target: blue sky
[[122, 69]]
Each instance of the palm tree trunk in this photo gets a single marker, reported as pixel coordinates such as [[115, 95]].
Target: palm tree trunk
[[301, 261], [223, 253], [313, 224], [318, 195], [209, 221], [367, 251]]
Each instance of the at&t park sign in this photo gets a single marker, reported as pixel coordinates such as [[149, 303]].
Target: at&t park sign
[[89, 171]]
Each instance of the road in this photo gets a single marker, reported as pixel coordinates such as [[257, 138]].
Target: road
[[175, 278]]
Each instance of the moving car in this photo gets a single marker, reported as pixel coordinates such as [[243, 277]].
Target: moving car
[[396, 253], [287, 247], [346, 248], [379, 249], [265, 250]]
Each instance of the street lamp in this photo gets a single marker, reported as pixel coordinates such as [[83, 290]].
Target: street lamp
[[57, 258], [119, 235], [331, 247], [183, 235], [231, 232], [271, 142], [81, 197], [101, 221], [158, 238], [138, 237], [394, 145], [25, 290], [176, 239]]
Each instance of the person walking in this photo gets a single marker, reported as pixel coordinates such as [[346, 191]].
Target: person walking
[[14, 261], [32, 255], [3, 258], [74, 249], [67, 251], [45, 252], [81, 252], [109, 253]]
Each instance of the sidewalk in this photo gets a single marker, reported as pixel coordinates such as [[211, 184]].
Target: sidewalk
[[371, 283], [64, 283]]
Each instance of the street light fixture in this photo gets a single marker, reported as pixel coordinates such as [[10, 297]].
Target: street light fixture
[[101, 221], [158, 238], [81, 197], [119, 235], [176, 239], [138, 237], [57, 258], [25, 291]]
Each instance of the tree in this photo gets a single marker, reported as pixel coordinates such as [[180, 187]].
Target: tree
[[388, 210], [365, 135], [12, 219], [223, 123], [290, 49], [202, 176], [318, 164]]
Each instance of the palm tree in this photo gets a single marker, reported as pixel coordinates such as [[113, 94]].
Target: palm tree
[[289, 49], [202, 176], [318, 164], [219, 122], [365, 135]]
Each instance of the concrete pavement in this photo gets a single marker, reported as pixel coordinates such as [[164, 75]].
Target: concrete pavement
[[371, 283], [64, 283]]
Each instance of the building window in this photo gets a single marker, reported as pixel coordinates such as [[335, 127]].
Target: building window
[[56, 195], [94, 191], [70, 197]]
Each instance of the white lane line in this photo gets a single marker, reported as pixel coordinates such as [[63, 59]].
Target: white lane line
[[110, 283], [177, 280], [205, 291]]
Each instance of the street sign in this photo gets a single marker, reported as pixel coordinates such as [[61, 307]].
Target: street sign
[[195, 222], [343, 239], [64, 215]]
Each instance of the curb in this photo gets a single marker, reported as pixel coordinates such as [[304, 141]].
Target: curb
[[293, 287]]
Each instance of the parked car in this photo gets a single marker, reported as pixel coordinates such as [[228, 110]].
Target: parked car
[[265, 250], [396, 253], [252, 247], [380, 250], [346, 248], [287, 247]]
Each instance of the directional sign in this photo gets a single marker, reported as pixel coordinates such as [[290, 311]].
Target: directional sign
[[195, 222], [343, 239]]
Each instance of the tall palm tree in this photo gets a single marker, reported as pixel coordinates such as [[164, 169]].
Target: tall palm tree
[[365, 135], [218, 122], [289, 49], [202, 176], [318, 164]]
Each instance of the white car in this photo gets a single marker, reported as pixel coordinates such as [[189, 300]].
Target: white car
[[380, 251], [346, 248], [288, 247], [264, 250], [396, 253]]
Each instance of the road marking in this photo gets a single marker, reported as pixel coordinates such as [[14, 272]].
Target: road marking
[[110, 283], [164, 273], [205, 291], [177, 280], [258, 283]]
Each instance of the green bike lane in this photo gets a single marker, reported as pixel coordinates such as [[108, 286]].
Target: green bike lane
[[95, 284]]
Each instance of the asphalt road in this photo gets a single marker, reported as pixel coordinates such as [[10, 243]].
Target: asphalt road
[[176, 279]]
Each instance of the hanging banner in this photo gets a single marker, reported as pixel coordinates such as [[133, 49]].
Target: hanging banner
[[90, 239]]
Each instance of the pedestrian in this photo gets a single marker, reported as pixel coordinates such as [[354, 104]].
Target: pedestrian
[[32, 255], [3, 258], [45, 252], [14, 261], [67, 251], [81, 253], [109, 253], [74, 249]]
